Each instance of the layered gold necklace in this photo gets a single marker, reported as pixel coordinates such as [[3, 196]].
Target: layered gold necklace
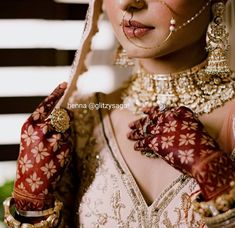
[[193, 88]]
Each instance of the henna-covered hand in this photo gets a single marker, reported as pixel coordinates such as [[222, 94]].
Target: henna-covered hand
[[178, 137], [43, 156]]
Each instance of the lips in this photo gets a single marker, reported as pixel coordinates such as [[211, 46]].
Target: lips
[[135, 29]]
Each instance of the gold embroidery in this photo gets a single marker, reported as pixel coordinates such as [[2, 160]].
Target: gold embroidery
[[86, 146], [166, 221], [112, 215], [185, 215]]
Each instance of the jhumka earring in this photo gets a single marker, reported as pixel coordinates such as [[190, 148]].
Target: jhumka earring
[[217, 45], [122, 59]]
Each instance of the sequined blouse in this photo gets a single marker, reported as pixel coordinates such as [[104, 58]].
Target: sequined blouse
[[107, 193]]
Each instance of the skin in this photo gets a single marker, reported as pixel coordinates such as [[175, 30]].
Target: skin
[[173, 55], [185, 49]]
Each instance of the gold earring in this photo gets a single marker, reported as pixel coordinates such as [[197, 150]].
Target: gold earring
[[122, 59], [217, 45]]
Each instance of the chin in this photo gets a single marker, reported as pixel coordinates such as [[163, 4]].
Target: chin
[[144, 53]]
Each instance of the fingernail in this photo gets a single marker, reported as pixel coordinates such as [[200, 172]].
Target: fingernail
[[137, 145], [63, 85]]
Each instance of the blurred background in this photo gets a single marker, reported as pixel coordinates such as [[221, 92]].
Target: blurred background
[[38, 39]]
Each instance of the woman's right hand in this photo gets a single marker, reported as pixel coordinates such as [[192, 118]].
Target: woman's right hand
[[44, 153]]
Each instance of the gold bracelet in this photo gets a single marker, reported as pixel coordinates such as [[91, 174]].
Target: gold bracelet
[[11, 222], [215, 207], [221, 220], [36, 214]]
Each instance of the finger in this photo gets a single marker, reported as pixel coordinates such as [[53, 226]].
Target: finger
[[153, 129], [137, 124], [183, 110], [50, 102], [45, 107], [54, 140], [45, 126], [153, 113], [149, 110], [140, 145], [150, 153], [135, 135]]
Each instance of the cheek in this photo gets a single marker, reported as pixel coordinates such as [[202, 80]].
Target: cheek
[[185, 9], [112, 10], [115, 14]]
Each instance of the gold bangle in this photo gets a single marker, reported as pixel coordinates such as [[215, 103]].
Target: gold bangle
[[11, 222], [36, 214], [220, 219], [217, 206]]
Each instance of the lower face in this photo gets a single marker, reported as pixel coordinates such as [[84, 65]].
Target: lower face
[[145, 36]]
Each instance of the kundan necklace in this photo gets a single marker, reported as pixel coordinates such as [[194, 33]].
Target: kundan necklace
[[193, 88]]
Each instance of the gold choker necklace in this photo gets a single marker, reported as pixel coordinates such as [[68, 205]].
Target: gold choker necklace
[[193, 88]]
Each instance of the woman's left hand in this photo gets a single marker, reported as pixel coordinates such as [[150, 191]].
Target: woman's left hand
[[178, 137]]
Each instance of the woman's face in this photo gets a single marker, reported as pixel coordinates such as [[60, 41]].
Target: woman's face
[[143, 27]]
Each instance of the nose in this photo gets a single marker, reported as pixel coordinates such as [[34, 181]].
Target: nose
[[132, 5]]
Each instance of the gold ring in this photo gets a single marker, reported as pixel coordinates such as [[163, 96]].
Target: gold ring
[[60, 120]]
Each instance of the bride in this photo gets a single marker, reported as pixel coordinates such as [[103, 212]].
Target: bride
[[155, 152]]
